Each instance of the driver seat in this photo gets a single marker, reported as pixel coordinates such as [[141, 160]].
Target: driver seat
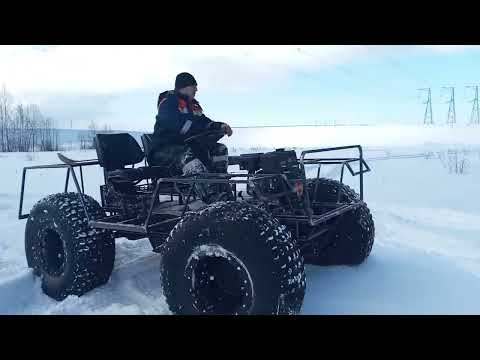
[[116, 151]]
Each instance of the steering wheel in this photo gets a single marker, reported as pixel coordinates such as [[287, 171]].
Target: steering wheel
[[209, 136]]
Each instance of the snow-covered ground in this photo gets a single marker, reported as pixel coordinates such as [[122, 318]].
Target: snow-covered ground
[[423, 193]]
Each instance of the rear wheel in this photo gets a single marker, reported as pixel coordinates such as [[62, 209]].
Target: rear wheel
[[70, 257], [232, 258], [354, 233]]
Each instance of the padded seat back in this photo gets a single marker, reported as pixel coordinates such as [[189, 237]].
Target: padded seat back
[[115, 151]]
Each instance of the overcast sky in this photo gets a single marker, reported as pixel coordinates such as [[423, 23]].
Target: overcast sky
[[242, 85]]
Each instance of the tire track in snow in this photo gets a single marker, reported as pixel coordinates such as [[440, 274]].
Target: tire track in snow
[[134, 288], [393, 280], [445, 232]]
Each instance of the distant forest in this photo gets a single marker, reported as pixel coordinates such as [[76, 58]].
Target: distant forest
[[24, 128]]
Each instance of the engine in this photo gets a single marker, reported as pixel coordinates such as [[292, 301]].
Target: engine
[[279, 161], [261, 165]]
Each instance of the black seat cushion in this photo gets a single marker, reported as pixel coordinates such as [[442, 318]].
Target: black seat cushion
[[125, 175], [136, 174]]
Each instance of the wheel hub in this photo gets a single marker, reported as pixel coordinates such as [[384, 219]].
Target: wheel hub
[[220, 282]]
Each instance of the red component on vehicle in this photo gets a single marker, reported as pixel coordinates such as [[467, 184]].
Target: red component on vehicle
[[299, 188]]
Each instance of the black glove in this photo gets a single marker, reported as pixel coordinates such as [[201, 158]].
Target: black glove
[[215, 125]]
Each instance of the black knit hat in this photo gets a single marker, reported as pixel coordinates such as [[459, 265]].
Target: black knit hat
[[183, 80]]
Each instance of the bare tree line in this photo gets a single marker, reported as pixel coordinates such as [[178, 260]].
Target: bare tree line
[[24, 128]]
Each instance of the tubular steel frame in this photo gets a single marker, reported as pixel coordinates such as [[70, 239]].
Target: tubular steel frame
[[146, 227]]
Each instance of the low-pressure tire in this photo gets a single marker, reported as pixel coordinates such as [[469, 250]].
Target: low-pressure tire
[[354, 233], [232, 258], [70, 257]]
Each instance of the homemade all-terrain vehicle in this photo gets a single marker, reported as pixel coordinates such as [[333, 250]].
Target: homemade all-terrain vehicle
[[241, 256]]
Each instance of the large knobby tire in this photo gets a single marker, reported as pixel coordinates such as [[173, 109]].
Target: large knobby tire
[[70, 257], [355, 230], [232, 258]]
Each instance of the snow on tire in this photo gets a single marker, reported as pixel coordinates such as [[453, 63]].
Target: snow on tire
[[232, 258], [70, 257]]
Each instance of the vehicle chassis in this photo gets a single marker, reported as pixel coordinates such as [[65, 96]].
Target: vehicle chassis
[[162, 216]]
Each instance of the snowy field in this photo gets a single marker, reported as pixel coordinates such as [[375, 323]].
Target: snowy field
[[423, 192]]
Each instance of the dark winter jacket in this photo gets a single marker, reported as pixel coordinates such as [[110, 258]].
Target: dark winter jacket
[[178, 118]]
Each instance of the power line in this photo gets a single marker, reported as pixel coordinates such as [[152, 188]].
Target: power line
[[428, 117], [451, 116], [475, 116]]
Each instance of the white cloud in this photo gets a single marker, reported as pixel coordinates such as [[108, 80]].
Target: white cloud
[[450, 49], [90, 69], [110, 69], [251, 66]]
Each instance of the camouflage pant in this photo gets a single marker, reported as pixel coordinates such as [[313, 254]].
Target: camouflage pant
[[183, 160]]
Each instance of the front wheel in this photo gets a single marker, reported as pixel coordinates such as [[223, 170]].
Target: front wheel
[[232, 258]]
